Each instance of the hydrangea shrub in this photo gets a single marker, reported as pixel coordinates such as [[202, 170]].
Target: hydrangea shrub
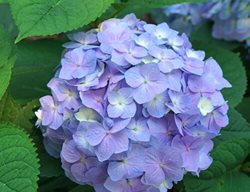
[[231, 17], [133, 107]]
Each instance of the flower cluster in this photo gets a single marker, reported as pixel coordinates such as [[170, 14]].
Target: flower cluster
[[231, 17], [185, 17], [133, 107]]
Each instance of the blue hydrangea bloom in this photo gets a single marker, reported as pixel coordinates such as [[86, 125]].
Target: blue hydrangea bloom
[[231, 18], [133, 108]]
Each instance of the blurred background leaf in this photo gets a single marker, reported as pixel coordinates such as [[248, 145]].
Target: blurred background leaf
[[233, 181], [7, 21], [7, 59], [36, 64], [244, 108]]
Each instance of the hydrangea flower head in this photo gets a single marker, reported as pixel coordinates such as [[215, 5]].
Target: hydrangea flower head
[[133, 108], [231, 18]]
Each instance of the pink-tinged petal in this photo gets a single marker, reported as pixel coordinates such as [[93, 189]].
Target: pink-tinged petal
[[119, 125], [133, 77], [194, 66], [95, 133], [169, 65], [138, 130], [129, 111], [207, 147], [143, 94], [89, 59], [220, 119], [90, 38], [149, 72], [106, 148], [139, 52], [119, 59], [58, 89], [201, 84], [115, 111], [93, 99], [87, 66], [97, 174], [78, 171], [105, 48], [131, 59], [57, 121], [122, 48], [162, 130], [150, 28], [69, 63], [188, 160], [69, 152], [174, 80], [47, 102], [204, 161], [178, 143], [81, 142], [66, 70], [195, 54], [156, 107], [165, 66], [117, 186], [144, 40], [156, 52], [160, 85], [126, 94], [154, 176], [120, 141], [47, 118], [129, 166], [157, 110], [117, 171], [173, 169]]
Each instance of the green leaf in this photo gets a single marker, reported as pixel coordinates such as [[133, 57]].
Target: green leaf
[[227, 156], [7, 60], [232, 67], [47, 17], [7, 22], [36, 65], [81, 188], [50, 167], [238, 128], [247, 39], [231, 182], [18, 162], [3, 1], [243, 108], [26, 115], [11, 111], [60, 183]]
